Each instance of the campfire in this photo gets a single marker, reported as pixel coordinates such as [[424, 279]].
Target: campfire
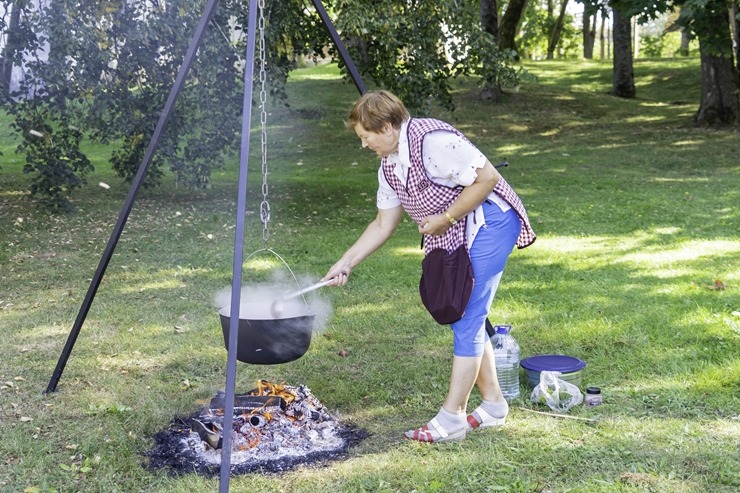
[[274, 428]]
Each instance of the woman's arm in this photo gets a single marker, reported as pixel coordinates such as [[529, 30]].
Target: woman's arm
[[374, 236], [469, 199]]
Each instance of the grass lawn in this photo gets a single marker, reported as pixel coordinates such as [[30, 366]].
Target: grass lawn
[[636, 270]]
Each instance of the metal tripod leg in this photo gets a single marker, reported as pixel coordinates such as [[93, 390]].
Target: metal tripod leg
[[353, 72], [236, 280], [240, 215], [133, 191]]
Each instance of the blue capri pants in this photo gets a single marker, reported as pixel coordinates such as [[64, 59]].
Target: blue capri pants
[[488, 254]]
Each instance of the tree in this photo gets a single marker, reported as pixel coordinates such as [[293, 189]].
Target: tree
[[591, 9], [51, 140], [110, 67], [735, 16], [489, 23], [623, 77], [415, 48], [589, 33], [509, 28], [11, 47], [109, 70], [489, 18], [557, 29], [604, 38], [204, 125], [709, 20]]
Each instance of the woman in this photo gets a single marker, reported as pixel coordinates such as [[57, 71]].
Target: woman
[[454, 194]]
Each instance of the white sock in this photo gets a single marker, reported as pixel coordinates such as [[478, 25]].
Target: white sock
[[495, 409], [450, 421]]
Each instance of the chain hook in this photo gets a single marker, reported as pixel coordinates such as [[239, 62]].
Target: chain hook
[[265, 205]]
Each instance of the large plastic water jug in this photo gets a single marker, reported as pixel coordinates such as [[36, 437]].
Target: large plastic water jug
[[506, 352]]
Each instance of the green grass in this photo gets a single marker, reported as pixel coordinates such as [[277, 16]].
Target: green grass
[[637, 216]]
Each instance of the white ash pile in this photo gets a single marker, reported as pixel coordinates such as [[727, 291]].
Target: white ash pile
[[274, 428]]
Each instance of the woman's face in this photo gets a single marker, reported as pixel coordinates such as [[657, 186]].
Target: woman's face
[[383, 143]]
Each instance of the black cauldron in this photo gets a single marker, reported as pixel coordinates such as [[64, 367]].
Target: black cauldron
[[265, 340]]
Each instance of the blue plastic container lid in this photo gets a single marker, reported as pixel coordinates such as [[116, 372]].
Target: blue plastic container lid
[[553, 362]]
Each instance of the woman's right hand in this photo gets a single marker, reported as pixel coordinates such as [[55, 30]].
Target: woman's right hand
[[340, 272]]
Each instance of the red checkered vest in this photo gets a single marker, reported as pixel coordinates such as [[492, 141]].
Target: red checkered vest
[[421, 197]]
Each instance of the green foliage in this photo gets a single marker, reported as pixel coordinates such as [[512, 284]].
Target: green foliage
[[126, 158], [52, 149], [111, 66], [662, 45], [644, 10], [399, 46], [536, 30], [652, 46], [699, 17], [147, 56], [495, 67], [416, 49]]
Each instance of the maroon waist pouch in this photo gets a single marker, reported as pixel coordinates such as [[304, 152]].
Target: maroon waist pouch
[[446, 283]]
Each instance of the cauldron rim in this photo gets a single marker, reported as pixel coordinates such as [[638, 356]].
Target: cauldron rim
[[269, 341], [256, 310]]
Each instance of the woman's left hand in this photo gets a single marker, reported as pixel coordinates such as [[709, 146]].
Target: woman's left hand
[[435, 225]]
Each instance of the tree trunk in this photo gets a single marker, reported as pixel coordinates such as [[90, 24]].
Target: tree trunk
[[557, 30], [489, 18], [623, 78], [510, 21], [719, 98], [735, 21], [589, 33], [489, 23], [683, 50], [602, 39], [635, 38], [609, 32], [6, 69], [719, 105]]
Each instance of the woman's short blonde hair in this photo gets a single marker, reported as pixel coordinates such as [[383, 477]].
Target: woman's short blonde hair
[[376, 108]]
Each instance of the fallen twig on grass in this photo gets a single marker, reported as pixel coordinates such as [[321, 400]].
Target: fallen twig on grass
[[590, 421]]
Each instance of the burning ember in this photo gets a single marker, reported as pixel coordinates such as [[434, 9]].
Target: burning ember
[[274, 428]]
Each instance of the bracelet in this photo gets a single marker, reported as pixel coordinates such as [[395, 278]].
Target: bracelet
[[452, 220]]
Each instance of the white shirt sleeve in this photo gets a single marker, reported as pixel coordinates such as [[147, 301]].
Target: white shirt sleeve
[[386, 196], [450, 159]]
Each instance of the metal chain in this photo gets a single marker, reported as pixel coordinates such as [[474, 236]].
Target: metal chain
[[265, 205]]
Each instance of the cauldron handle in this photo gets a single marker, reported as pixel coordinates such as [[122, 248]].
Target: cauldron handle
[[275, 254]]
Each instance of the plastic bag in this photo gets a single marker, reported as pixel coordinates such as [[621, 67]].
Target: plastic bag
[[558, 394]]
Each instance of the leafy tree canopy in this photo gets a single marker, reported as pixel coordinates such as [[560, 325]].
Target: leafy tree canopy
[[106, 68]]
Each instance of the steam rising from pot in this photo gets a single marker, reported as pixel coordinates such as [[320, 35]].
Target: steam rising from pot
[[264, 294]]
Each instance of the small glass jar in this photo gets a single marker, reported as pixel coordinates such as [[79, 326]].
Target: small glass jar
[[593, 396]]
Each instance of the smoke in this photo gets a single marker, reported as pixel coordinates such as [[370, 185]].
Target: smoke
[[257, 299]]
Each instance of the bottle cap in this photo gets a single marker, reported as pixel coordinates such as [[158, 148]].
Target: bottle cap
[[503, 329], [593, 390]]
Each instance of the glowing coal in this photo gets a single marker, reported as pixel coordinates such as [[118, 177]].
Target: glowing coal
[[274, 428]]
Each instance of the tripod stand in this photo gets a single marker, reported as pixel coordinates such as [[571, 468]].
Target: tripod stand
[[254, 6]]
